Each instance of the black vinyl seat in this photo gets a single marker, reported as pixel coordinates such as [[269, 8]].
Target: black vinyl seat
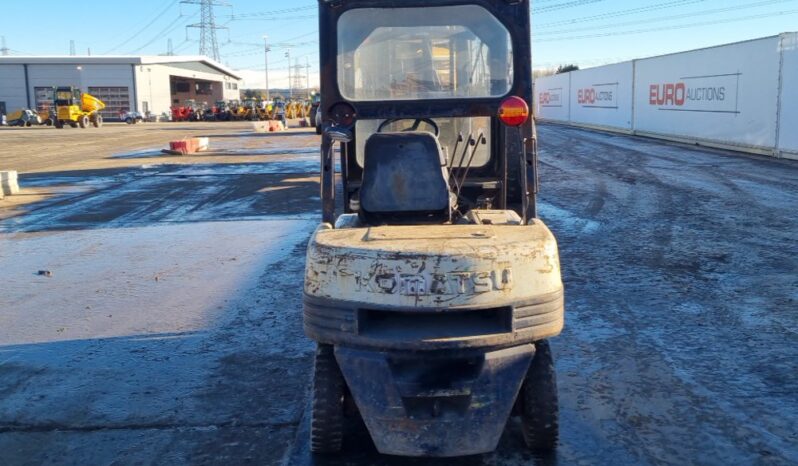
[[405, 180]]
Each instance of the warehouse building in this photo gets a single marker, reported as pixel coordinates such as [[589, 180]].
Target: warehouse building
[[138, 83]]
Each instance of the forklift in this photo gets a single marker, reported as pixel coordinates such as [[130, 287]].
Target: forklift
[[76, 108], [431, 287]]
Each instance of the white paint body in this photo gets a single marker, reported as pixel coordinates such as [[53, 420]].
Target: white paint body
[[435, 268]]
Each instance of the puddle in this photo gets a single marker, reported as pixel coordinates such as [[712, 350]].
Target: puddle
[[566, 219], [139, 154]]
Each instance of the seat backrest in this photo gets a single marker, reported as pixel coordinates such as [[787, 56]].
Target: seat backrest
[[405, 180]]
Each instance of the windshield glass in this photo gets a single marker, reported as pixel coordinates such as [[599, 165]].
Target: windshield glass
[[423, 53]]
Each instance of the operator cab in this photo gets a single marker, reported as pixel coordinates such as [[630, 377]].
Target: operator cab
[[66, 96], [431, 79]]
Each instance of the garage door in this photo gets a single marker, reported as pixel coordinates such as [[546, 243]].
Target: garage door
[[117, 100], [44, 98]]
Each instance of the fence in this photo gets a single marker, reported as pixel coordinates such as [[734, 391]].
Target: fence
[[741, 96]]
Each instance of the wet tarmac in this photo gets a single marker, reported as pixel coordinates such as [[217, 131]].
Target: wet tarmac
[[170, 329]]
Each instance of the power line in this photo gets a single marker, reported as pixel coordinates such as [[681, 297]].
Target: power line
[[669, 18], [562, 6], [144, 28], [674, 27], [615, 14], [272, 12], [165, 31]]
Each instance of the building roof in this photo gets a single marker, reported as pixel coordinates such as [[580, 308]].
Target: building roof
[[117, 60]]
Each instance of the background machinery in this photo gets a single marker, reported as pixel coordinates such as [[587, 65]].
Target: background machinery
[[76, 108]]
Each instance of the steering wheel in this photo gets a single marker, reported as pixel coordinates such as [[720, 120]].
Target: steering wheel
[[416, 123]]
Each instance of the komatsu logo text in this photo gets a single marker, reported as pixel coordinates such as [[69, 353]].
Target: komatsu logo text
[[452, 284]]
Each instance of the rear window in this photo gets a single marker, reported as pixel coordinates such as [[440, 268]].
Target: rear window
[[423, 53]]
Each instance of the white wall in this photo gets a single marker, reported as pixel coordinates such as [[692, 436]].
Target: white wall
[[725, 94], [153, 85], [12, 87], [603, 96], [552, 97], [788, 132], [741, 96]]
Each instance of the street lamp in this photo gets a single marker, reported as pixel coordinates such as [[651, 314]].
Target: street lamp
[[266, 51]]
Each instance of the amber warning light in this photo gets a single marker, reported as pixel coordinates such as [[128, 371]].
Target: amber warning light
[[513, 111]]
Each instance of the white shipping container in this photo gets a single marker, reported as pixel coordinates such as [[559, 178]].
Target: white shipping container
[[788, 131], [552, 97], [725, 95], [603, 96]]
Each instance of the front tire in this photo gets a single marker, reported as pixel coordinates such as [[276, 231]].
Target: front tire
[[83, 121], [327, 415], [98, 121], [539, 402]]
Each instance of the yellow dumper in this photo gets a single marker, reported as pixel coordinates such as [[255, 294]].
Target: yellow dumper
[[75, 108]]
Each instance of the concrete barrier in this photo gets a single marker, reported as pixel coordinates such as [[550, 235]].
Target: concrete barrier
[[271, 126], [9, 183], [203, 144], [260, 126], [185, 146]]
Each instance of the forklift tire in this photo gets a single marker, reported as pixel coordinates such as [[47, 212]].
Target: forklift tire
[[97, 121], [73, 124], [58, 124], [327, 414], [539, 405]]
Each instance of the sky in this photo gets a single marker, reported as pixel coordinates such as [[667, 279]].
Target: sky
[[583, 32]]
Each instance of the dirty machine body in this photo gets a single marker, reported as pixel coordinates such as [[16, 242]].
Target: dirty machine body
[[431, 287]]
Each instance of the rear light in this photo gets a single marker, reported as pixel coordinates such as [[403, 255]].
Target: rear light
[[513, 111]]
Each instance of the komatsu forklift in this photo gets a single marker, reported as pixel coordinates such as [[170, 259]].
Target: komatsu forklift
[[431, 287]]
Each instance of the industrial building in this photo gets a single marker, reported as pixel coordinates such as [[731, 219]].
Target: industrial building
[[125, 83]]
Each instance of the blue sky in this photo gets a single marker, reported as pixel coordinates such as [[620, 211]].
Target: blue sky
[[585, 32]]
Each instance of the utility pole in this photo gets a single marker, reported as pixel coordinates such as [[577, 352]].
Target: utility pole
[[290, 84], [209, 46], [72, 48], [4, 50], [169, 48], [307, 76], [266, 51]]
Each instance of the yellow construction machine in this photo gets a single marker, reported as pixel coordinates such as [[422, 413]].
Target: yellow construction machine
[[76, 108]]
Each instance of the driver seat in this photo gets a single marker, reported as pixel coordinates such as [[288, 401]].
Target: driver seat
[[405, 180]]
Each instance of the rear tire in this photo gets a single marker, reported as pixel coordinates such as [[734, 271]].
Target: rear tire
[[539, 404], [83, 121], [98, 121], [327, 415]]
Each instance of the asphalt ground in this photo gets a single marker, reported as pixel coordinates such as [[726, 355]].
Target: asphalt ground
[[169, 328]]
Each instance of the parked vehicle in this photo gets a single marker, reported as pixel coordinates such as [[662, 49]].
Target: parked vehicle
[[76, 108], [132, 118]]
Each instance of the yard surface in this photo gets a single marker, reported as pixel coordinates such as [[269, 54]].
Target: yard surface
[[170, 332]]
